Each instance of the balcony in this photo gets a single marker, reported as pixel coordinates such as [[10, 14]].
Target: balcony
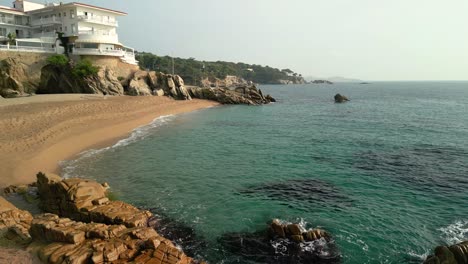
[[46, 21], [98, 36], [11, 21], [99, 20]]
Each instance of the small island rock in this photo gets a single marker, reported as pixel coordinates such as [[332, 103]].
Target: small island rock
[[341, 98]]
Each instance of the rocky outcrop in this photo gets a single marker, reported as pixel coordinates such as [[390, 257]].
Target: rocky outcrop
[[341, 98], [456, 254], [159, 84], [321, 82], [14, 223], [85, 201], [56, 79], [76, 242], [292, 80], [282, 242], [229, 82], [83, 226], [12, 78], [241, 95]]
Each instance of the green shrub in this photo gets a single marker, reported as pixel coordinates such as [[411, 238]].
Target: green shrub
[[58, 60], [85, 68]]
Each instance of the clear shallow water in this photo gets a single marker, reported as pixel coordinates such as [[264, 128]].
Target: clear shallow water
[[386, 174]]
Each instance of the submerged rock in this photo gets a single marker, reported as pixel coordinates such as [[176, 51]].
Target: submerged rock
[[283, 243], [341, 98], [303, 194]]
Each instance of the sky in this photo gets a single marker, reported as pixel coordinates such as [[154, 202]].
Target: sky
[[365, 39]]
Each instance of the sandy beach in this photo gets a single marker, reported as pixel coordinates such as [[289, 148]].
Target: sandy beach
[[38, 132]]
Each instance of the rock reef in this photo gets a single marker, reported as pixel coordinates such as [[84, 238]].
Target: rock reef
[[82, 226]]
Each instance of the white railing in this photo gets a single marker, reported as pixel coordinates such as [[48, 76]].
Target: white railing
[[27, 49], [45, 35], [45, 21], [96, 33], [87, 51], [9, 21], [99, 20]]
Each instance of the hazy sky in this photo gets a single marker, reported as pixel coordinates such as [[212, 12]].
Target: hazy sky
[[367, 39]]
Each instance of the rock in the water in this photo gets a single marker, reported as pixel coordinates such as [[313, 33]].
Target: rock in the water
[[97, 230], [84, 200], [322, 82], [455, 254], [241, 95], [282, 243], [341, 98]]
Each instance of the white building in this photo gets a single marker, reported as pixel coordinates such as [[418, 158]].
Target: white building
[[88, 29]]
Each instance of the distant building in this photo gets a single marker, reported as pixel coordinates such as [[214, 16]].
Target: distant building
[[90, 30]]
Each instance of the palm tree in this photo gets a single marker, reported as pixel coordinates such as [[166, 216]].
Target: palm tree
[[11, 38]]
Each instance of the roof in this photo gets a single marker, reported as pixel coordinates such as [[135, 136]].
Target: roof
[[99, 8], [47, 8], [4, 8]]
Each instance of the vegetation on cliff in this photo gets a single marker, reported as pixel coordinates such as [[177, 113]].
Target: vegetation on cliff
[[193, 71]]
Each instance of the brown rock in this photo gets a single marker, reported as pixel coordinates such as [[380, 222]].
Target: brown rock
[[294, 230]]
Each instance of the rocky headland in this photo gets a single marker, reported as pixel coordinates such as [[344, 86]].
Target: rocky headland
[[79, 224], [61, 79]]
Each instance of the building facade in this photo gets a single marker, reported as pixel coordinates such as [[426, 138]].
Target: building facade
[[88, 29]]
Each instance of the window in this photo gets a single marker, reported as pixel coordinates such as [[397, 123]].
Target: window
[[3, 32], [72, 13], [66, 29], [72, 28], [64, 14], [60, 14]]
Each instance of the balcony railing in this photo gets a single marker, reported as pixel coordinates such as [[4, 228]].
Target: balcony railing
[[11, 21], [27, 49], [99, 20], [46, 21], [86, 51], [96, 33]]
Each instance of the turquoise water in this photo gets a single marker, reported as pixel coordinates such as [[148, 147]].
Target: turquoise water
[[386, 174]]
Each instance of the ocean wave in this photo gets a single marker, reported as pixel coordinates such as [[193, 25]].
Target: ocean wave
[[455, 233], [69, 166]]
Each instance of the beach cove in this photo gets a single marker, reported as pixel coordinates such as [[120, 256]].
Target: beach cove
[[40, 131]]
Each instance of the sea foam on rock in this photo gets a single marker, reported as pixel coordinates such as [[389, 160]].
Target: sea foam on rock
[[283, 242]]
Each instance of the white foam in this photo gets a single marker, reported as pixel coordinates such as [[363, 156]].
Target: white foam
[[69, 166], [456, 232]]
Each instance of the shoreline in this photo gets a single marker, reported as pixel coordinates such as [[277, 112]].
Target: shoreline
[[38, 135]]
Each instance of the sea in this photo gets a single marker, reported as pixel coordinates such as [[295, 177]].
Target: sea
[[386, 174]]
